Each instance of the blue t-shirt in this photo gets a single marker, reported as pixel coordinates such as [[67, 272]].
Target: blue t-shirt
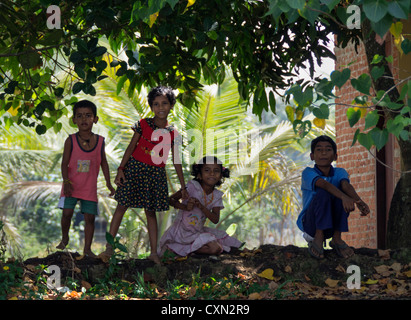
[[308, 180]]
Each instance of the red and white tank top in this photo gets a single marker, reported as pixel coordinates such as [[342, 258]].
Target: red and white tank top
[[83, 169]]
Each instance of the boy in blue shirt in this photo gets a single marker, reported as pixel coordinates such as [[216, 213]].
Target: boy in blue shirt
[[328, 199]]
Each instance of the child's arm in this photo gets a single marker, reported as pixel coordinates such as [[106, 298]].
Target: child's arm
[[347, 201], [120, 178], [64, 168], [213, 214], [179, 169], [106, 171], [174, 202], [348, 189]]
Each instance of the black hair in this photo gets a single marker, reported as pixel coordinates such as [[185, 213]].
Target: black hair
[[85, 104], [196, 168], [323, 139], [161, 91]]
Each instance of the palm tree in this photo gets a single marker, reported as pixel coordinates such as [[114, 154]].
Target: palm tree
[[262, 173]]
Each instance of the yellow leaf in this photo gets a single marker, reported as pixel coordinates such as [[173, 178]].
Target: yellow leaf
[[267, 274], [396, 29], [181, 258], [254, 296], [13, 111], [369, 281], [331, 283], [13, 298], [190, 3], [319, 123], [407, 273], [153, 19]]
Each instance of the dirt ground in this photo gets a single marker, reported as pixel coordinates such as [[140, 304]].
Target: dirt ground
[[385, 274]]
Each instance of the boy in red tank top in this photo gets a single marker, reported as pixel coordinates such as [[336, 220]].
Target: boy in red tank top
[[82, 157]]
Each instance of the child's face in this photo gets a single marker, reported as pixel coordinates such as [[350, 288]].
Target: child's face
[[84, 119], [210, 174], [161, 107], [323, 154]]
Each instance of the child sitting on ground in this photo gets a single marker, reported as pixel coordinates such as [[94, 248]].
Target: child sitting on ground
[[328, 199], [188, 233]]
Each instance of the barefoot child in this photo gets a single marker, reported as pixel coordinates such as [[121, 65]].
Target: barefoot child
[[328, 199], [82, 157], [141, 177], [187, 234]]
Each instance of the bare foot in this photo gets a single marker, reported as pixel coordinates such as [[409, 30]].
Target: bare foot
[[89, 253], [63, 243], [106, 255], [154, 257]]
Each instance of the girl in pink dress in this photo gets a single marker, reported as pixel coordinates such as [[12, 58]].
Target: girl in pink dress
[[188, 234]]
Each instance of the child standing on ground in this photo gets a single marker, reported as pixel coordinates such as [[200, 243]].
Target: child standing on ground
[[187, 234], [328, 199], [82, 157], [141, 177]]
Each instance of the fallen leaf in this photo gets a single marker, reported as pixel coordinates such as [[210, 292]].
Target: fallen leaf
[[307, 278], [254, 296], [369, 281], [383, 270], [407, 273], [266, 274], [396, 266], [331, 283], [340, 268], [191, 292], [384, 254], [288, 269], [85, 284], [181, 258]]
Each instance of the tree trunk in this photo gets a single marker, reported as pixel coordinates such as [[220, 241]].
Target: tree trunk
[[399, 221]]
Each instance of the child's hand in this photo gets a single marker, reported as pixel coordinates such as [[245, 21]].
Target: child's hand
[[348, 204], [190, 204], [363, 207], [120, 178], [67, 189], [184, 194], [112, 190]]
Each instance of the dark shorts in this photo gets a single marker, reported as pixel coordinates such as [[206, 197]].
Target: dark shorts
[[145, 187], [326, 213]]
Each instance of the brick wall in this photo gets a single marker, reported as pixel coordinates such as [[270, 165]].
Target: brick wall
[[359, 163]]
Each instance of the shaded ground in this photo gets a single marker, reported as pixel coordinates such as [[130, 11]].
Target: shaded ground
[[384, 274]]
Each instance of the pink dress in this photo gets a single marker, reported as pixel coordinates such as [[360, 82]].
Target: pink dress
[[188, 234]]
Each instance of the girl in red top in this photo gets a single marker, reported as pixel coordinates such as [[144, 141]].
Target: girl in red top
[[141, 177]]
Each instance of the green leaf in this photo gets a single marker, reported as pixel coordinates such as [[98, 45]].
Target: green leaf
[[354, 140], [380, 137], [78, 86], [377, 59], [399, 9], [362, 84], [296, 4], [353, 116], [377, 72], [339, 78], [406, 46], [371, 119], [375, 10], [29, 60], [41, 129], [109, 239], [365, 140], [323, 112], [272, 102]]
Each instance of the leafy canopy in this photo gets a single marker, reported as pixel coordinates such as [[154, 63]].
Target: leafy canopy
[[183, 43]]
